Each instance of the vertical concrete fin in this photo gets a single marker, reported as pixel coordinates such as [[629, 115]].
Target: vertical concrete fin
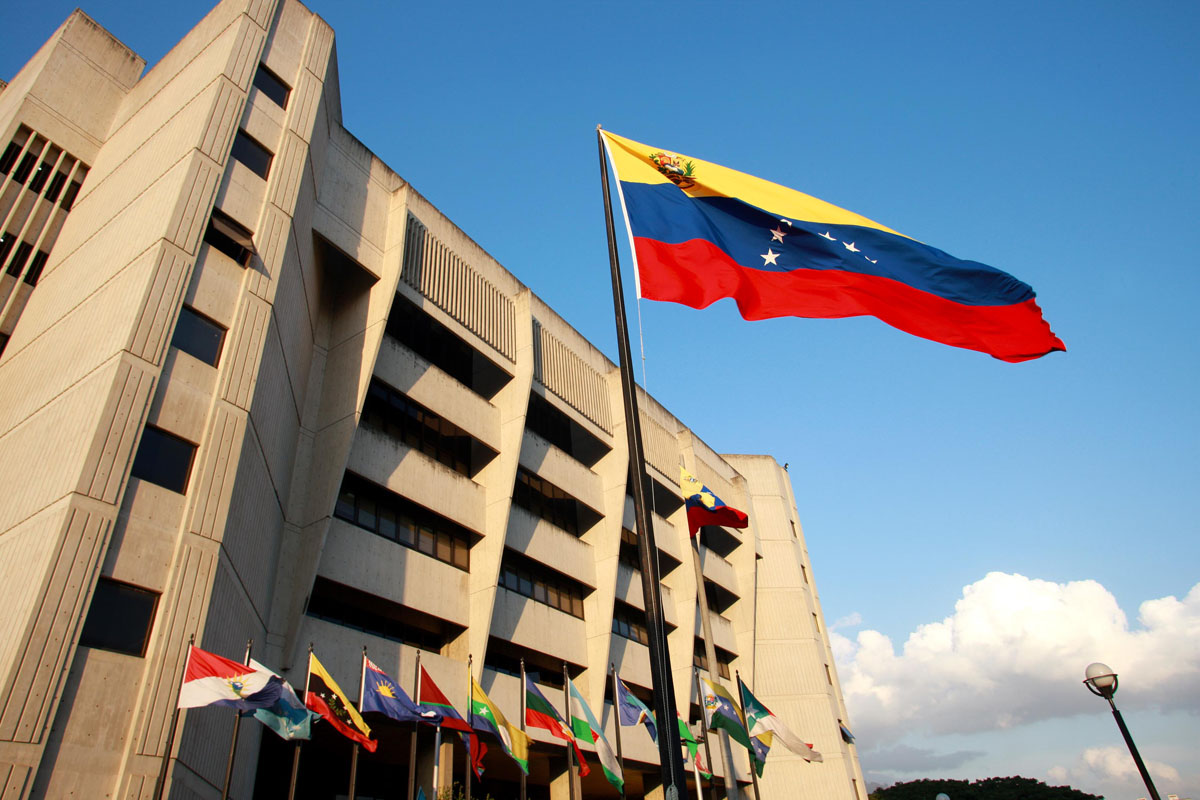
[[156, 320], [29, 698], [104, 471]]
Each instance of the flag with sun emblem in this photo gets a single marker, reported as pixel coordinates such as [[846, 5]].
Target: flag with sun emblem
[[325, 697], [700, 232], [380, 693], [705, 508], [211, 680]]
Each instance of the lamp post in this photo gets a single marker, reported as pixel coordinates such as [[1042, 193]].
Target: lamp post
[[1102, 682]]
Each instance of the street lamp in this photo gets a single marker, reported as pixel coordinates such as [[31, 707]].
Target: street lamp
[[1102, 682]]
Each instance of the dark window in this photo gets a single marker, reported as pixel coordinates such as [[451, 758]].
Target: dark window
[[700, 660], [35, 267], [391, 412], [119, 618], [354, 608], [199, 336], [630, 622], [39, 177], [542, 498], [56, 185], [27, 163], [6, 243], [229, 237], [164, 458], [251, 152], [534, 580], [272, 86], [374, 508], [69, 196], [629, 554], [440, 346], [9, 158], [3, 342], [560, 430], [19, 258]]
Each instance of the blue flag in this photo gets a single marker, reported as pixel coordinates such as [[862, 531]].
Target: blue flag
[[287, 716], [633, 711], [380, 693]]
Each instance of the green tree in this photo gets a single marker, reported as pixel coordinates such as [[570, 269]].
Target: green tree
[[1014, 788]]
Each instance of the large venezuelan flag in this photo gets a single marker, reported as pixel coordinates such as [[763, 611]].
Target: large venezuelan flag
[[701, 232]]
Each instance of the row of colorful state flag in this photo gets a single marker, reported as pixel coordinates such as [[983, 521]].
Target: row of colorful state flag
[[756, 728], [212, 680]]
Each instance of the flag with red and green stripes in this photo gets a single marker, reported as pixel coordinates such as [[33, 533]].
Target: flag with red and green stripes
[[540, 713], [585, 725]]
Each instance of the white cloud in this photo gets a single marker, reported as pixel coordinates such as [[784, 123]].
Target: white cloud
[[1013, 652], [851, 620], [1113, 769]]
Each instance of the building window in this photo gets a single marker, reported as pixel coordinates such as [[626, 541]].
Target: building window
[[231, 238], [391, 412], [26, 166], [35, 267], [543, 499], [353, 608], [199, 336], [4, 337], [252, 153], [373, 508], [272, 86], [529, 578], [19, 258], [630, 623], [69, 196], [164, 459], [56, 186], [6, 243], [39, 177], [431, 340], [9, 158], [816, 623], [700, 660], [553, 425], [119, 618], [629, 554]]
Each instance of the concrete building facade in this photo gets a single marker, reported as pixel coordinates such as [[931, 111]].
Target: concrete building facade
[[254, 386]]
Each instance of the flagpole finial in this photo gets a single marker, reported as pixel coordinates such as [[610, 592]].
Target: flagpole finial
[[598, 127]]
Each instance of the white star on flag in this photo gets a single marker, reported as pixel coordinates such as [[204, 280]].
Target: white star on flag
[[769, 257], [777, 235], [850, 247]]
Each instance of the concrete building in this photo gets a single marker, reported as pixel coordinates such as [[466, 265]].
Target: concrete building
[[254, 386]]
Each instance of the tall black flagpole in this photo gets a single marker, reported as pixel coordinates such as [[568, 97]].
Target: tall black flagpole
[[671, 760]]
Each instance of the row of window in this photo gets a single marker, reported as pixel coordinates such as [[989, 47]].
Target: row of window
[[700, 660], [431, 340], [630, 623], [543, 499], [526, 577], [40, 177], [389, 515], [391, 412], [553, 425], [20, 255], [378, 616]]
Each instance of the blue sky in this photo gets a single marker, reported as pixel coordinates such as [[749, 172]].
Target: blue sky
[[943, 493]]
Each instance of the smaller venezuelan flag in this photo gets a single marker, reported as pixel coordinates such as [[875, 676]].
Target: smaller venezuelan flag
[[705, 508], [701, 232]]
